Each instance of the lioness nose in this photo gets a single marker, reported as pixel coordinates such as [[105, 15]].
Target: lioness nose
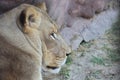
[[51, 67], [67, 54]]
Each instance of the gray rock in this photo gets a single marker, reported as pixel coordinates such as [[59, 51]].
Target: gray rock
[[100, 24], [83, 29]]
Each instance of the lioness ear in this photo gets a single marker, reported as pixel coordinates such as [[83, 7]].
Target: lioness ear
[[29, 19], [42, 6]]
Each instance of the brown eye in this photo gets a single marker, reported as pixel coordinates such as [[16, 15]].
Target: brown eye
[[53, 36]]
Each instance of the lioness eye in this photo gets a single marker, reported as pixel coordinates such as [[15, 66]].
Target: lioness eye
[[53, 36]]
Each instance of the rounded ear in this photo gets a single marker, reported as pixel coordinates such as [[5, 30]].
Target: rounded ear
[[29, 18], [42, 6]]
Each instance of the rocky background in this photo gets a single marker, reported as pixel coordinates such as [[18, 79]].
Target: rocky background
[[82, 21]]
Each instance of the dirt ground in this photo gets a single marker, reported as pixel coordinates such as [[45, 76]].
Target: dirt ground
[[96, 60]]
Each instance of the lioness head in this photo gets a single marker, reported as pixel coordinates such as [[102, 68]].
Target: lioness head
[[54, 48]]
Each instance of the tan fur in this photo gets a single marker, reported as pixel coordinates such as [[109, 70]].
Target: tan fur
[[42, 6], [26, 45]]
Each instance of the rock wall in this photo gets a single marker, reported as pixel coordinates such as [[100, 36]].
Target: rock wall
[[6, 5], [64, 11]]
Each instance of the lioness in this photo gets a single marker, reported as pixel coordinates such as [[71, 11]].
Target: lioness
[[29, 42]]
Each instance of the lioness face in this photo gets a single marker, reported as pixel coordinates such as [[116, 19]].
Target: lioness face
[[54, 48]]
